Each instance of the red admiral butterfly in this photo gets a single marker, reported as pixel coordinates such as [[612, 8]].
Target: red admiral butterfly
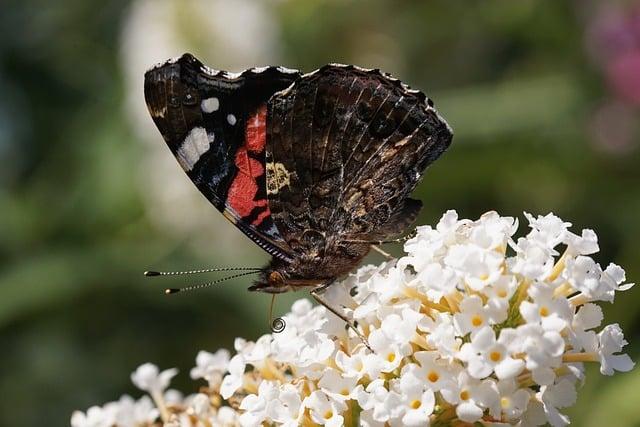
[[315, 168]]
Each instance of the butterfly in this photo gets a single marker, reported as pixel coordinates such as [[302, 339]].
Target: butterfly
[[314, 168]]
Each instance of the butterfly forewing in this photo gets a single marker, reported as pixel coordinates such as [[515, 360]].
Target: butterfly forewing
[[215, 124]]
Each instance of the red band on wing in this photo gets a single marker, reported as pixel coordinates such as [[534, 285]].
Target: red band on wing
[[244, 187], [256, 131]]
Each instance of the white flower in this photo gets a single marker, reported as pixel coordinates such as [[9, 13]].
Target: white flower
[[305, 317], [474, 315], [500, 292], [400, 329], [94, 417], [583, 274], [470, 396], [301, 343], [441, 334], [586, 244], [560, 395], [492, 232], [478, 267], [484, 354], [418, 400], [588, 317], [579, 335], [255, 352], [384, 405], [389, 354], [611, 341], [125, 412], [512, 401], [233, 380], [148, 378], [211, 366], [359, 364], [459, 329], [337, 386], [225, 417], [542, 351], [430, 243], [257, 407], [612, 280], [173, 397], [552, 313], [200, 406], [288, 409], [435, 280], [533, 260], [323, 410], [132, 413], [432, 373], [548, 230]]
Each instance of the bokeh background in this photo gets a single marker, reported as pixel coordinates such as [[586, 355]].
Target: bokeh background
[[544, 98]]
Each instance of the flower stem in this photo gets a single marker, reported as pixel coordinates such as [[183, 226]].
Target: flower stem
[[579, 357], [579, 300], [413, 293], [557, 269], [563, 290], [162, 406]]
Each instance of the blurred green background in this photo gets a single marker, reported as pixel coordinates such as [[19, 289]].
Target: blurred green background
[[544, 98]]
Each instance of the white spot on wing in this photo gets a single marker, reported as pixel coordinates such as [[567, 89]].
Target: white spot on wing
[[194, 145], [210, 105], [231, 119]]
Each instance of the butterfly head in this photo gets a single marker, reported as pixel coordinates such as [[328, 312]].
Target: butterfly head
[[277, 279]]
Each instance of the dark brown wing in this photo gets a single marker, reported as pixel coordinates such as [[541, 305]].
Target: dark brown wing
[[345, 148]]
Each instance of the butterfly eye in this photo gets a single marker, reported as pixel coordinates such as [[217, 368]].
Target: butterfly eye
[[275, 278]]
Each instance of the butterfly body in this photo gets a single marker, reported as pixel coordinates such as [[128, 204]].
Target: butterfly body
[[313, 167]]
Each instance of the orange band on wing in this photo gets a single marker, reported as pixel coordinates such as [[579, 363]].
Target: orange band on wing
[[244, 187]]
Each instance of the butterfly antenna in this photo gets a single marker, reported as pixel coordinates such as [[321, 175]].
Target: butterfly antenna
[[206, 270], [206, 285], [278, 324]]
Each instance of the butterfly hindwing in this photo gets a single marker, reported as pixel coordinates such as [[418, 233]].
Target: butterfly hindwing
[[350, 145], [215, 125]]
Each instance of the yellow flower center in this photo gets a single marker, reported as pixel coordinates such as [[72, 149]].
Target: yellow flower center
[[328, 414], [505, 402], [495, 356], [476, 321], [344, 392], [391, 357], [502, 293], [464, 395], [415, 404], [484, 276], [433, 376], [544, 311]]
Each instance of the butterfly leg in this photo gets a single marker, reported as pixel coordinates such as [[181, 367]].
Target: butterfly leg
[[317, 295], [382, 242], [381, 252]]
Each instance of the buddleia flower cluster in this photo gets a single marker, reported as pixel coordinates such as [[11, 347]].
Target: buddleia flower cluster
[[472, 326]]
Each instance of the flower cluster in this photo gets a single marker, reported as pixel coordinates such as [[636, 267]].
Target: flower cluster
[[472, 325]]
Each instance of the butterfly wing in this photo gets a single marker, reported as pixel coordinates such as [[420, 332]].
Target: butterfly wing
[[345, 148], [214, 123]]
